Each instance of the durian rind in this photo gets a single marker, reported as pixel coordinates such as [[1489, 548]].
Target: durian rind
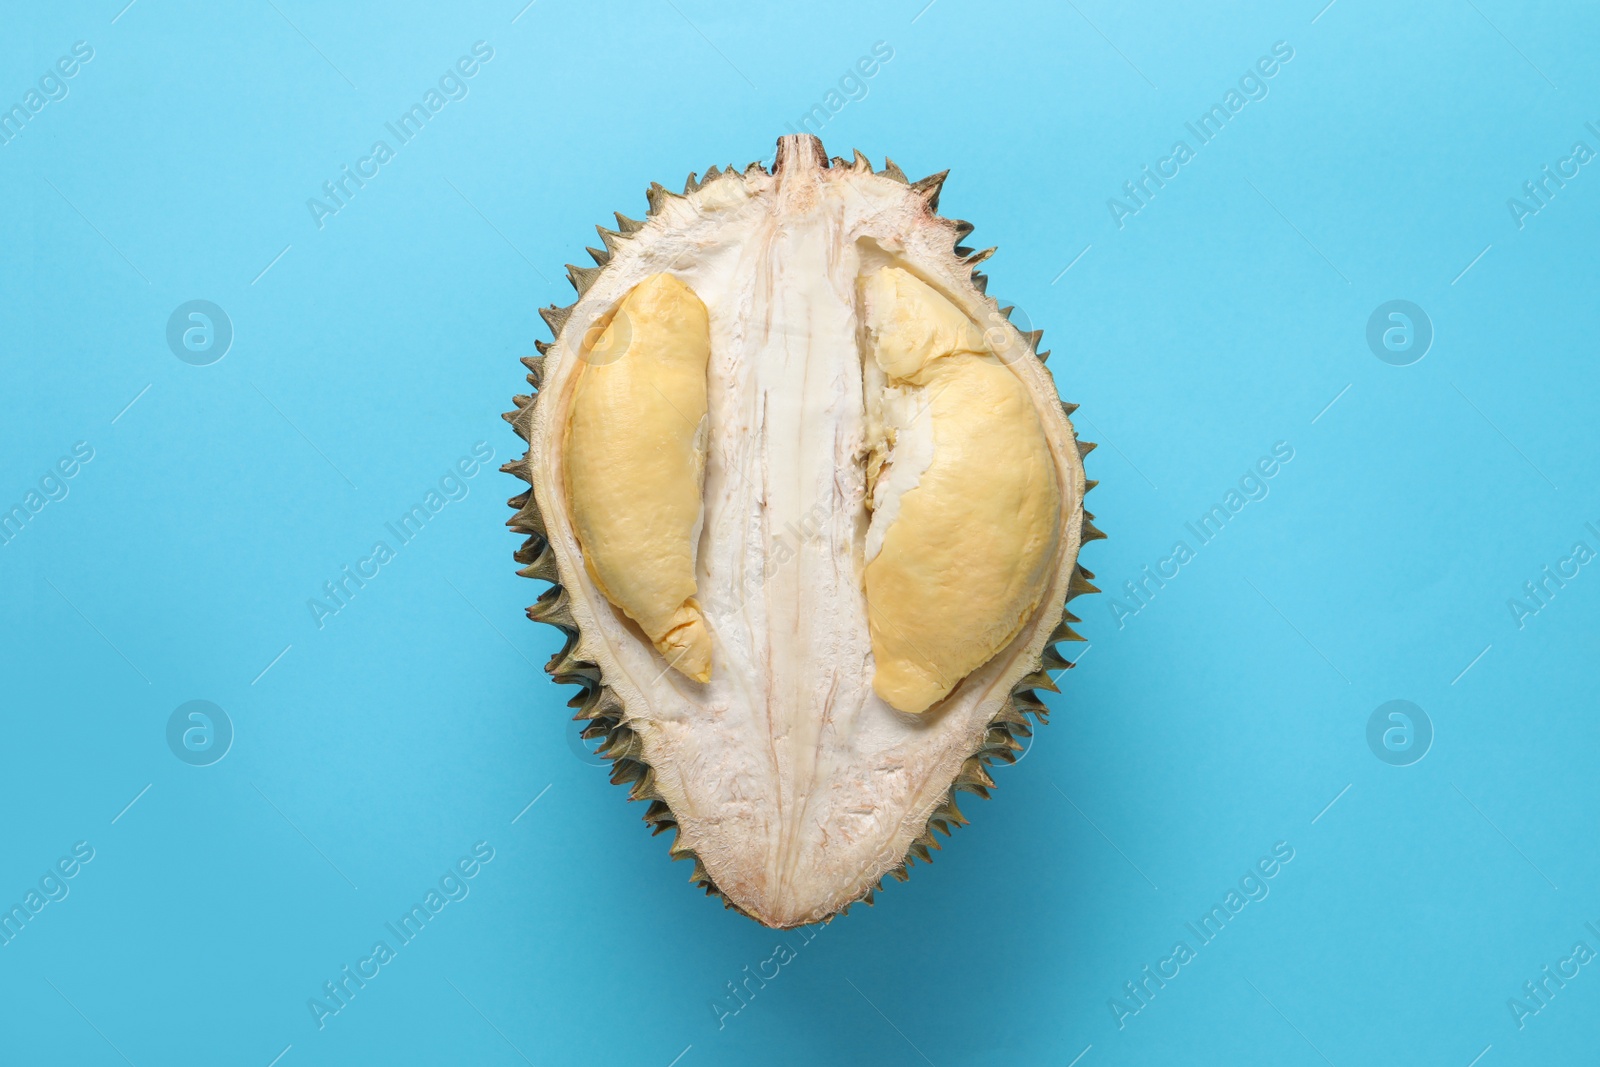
[[627, 741]]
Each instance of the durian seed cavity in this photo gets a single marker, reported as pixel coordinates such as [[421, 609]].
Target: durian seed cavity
[[635, 464], [963, 492]]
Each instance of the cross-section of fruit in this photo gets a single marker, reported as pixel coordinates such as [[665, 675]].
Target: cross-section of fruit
[[810, 507]]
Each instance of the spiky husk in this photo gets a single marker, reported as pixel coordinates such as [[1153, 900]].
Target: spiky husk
[[596, 704]]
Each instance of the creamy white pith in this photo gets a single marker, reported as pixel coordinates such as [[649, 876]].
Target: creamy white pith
[[896, 428], [795, 784]]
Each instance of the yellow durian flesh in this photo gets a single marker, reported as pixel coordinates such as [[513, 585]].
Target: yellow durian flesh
[[635, 465], [964, 561]]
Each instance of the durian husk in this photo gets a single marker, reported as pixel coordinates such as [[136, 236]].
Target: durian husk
[[597, 705]]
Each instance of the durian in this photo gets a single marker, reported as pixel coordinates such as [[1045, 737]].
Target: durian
[[810, 507]]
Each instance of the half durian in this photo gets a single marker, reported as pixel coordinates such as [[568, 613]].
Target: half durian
[[810, 507]]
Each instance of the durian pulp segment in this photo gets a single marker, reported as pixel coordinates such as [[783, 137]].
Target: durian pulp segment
[[635, 464], [965, 523]]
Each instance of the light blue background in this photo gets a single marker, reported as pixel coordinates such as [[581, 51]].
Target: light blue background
[[1223, 718]]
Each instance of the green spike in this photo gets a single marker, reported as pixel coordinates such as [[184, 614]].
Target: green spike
[[582, 277], [555, 318], [535, 365], [928, 188]]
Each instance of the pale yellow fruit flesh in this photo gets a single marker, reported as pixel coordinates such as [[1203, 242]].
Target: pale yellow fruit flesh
[[967, 556], [635, 464]]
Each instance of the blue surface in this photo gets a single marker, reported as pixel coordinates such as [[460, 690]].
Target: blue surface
[[1226, 717]]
